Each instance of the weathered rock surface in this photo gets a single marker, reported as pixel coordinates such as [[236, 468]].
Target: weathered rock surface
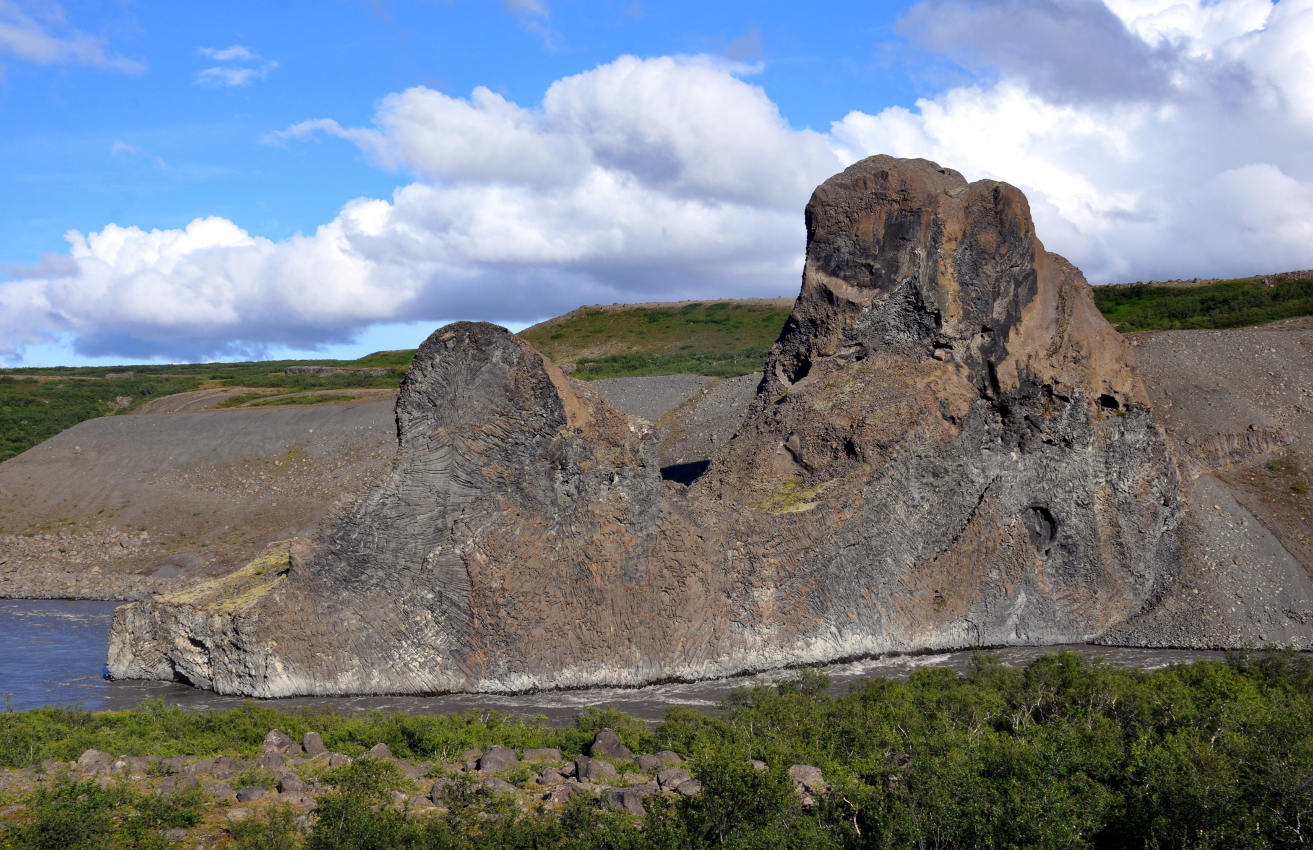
[[950, 447]]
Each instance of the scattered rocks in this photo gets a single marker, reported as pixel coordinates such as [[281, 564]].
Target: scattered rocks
[[93, 759], [290, 783], [313, 744], [496, 759], [672, 777], [629, 800], [252, 793], [607, 744], [587, 769], [380, 751]]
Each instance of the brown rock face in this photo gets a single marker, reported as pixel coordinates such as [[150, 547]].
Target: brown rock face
[[949, 447]]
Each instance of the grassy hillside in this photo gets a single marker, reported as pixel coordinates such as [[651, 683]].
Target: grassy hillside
[[1222, 304], [717, 338], [36, 404]]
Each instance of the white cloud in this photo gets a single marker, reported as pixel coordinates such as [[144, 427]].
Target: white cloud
[[672, 177], [242, 67], [235, 53], [39, 33]]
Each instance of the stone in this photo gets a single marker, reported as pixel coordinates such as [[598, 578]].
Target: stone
[[223, 767], [251, 793], [270, 761], [563, 794], [550, 776], [497, 758], [380, 751], [607, 744], [758, 765], [313, 744], [496, 784], [171, 784], [92, 759], [672, 777], [537, 754], [648, 762], [238, 815], [217, 789], [437, 792], [588, 769], [689, 788], [949, 447], [290, 783], [278, 741], [628, 800], [807, 778], [470, 759], [338, 760], [670, 757]]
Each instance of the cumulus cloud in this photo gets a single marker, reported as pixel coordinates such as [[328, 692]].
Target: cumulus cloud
[[40, 33], [638, 180], [242, 66], [673, 177]]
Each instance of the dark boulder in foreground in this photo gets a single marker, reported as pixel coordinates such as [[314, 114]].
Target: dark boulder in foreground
[[950, 447]]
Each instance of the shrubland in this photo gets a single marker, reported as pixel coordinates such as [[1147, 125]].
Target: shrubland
[[1062, 753]]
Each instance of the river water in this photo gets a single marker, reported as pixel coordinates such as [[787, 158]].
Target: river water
[[52, 652]]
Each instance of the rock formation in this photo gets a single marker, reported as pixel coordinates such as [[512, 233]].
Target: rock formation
[[950, 447]]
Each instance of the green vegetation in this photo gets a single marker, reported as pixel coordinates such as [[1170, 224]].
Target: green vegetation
[[1225, 304], [717, 338], [32, 409], [36, 404], [79, 814], [1064, 753]]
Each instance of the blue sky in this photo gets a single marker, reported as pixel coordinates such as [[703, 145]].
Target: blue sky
[[189, 181]]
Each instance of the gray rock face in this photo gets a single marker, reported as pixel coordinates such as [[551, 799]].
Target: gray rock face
[[950, 447], [498, 758]]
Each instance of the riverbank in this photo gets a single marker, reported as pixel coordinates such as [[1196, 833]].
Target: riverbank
[[1063, 752]]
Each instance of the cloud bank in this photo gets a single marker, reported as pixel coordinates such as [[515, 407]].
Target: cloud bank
[[1176, 145]]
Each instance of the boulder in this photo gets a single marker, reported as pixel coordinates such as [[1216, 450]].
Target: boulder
[[496, 784], [648, 762], [313, 744], [807, 778], [689, 788], [497, 758], [270, 761], [588, 769], [550, 776], [607, 744], [672, 777], [278, 741], [628, 800], [251, 793], [949, 447], [290, 783], [218, 790], [92, 759]]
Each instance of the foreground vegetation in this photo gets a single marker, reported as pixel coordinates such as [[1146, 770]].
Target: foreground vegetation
[[1224, 304], [1065, 753]]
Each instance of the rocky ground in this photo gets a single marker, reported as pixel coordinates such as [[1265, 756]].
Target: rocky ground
[[296, 775], [121, 506], [1238, 408]]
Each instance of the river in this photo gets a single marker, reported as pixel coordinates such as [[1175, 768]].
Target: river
[[52, 652]]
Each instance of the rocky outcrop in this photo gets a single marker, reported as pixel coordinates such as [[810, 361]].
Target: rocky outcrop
[[950, 447]]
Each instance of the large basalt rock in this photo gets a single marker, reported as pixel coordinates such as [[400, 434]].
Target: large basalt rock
[[950, 447]]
